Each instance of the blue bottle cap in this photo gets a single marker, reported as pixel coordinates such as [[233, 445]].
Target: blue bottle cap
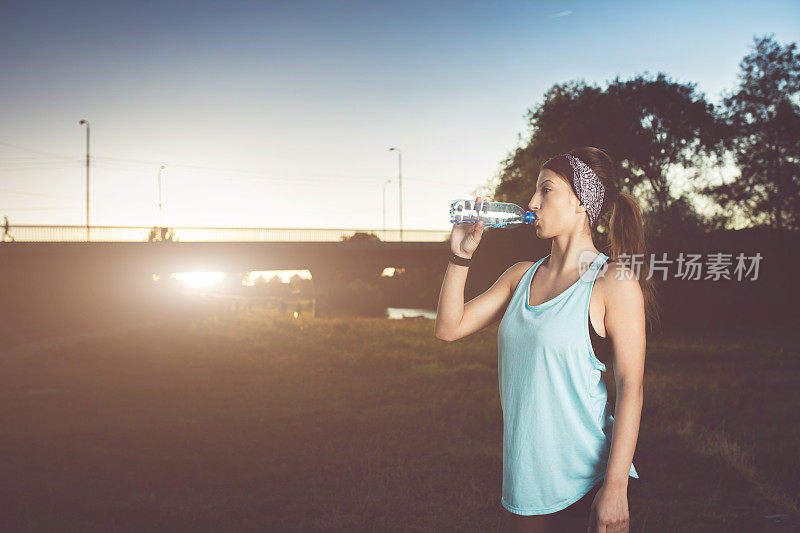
[[529, 217]]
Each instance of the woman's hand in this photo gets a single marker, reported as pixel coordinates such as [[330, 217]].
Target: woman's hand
[[609, 512], [465, 238]]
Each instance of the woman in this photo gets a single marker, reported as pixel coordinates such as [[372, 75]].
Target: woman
[[566, 460]]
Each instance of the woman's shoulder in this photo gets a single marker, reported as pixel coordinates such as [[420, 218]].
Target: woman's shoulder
[[615, 278], [519, 269], [614, 271]]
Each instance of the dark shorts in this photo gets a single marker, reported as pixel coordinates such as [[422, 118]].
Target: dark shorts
[[582, 506]]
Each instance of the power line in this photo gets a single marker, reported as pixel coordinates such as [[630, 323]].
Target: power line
[[266, 181], [34, 151], [28, 159], [331, 179], [36, 166], [284, 174], [2, 209], [12, 191], [326, 178]]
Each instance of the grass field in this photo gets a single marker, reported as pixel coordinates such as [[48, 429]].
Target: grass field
[[252, 422]]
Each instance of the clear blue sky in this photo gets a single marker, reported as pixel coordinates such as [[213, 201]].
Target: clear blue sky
[[299, 101]]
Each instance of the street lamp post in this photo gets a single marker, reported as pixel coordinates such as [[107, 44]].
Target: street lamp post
[[160, 214], [86, 123], [384, 206], [400, 178]]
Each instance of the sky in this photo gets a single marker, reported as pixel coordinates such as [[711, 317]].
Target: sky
[[281, 114]]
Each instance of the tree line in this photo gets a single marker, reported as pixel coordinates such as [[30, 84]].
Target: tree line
[[670, 145]]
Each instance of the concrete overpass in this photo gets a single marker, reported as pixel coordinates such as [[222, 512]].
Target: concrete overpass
[[359, 251]]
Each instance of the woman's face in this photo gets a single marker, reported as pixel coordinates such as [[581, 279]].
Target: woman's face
[[557, 208]]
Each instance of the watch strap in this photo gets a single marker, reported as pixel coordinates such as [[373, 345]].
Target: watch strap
[[462, 261]]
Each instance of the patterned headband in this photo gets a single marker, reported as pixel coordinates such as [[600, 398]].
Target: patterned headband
[[588, 186]]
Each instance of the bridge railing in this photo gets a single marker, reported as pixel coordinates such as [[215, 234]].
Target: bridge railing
[[44, 233]]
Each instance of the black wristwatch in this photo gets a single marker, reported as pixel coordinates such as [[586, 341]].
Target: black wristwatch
[[457, 260]]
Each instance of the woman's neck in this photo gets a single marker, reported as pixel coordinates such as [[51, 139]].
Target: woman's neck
[[568, 255]]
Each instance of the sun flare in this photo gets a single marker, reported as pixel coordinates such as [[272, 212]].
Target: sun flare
[[199, 279]]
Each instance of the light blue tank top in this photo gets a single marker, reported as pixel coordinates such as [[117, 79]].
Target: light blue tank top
[[557, 422]]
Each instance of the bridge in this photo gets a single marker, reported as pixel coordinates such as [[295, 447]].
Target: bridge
[[138, 252]]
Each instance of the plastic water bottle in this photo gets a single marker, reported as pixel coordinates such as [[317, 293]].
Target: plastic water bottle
[[493, 214]]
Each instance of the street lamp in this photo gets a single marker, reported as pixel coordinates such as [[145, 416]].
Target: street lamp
[[86, 123], [160, 216], [400, 177], [384, 206]]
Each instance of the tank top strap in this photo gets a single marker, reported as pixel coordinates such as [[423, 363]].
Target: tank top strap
[[523, 286], [579, 314], [592, 270], [583, 292]]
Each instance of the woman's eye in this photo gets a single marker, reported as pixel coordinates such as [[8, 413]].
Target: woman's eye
[[545, 189]]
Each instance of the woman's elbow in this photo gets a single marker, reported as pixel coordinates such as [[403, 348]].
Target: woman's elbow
[[443, 335]]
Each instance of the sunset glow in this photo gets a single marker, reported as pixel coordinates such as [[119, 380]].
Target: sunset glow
[[199, 279]]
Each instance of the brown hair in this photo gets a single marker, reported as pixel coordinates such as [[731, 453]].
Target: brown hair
[[626, 229]]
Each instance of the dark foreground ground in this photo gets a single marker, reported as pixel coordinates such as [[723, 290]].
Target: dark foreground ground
[[251, 422]]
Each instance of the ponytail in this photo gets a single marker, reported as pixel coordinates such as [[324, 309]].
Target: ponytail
[[626, 236]]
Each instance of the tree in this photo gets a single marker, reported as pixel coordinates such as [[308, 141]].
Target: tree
[[360, 236], [762, 120], [672, 127], [647, 126]]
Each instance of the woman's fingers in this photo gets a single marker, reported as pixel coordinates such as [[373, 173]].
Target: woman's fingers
[[477, 229]]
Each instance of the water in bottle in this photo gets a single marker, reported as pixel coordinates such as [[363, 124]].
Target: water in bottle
[[493, 214]]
